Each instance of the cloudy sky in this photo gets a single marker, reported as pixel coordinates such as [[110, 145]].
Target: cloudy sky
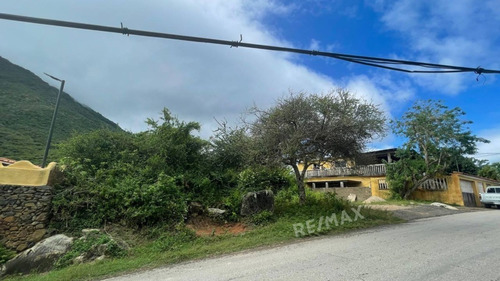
[[131, 78]]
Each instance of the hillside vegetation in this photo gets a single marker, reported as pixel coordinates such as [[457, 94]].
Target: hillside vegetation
[[27, 104]]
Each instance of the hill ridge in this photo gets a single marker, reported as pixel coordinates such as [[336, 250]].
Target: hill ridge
[[27, 104]]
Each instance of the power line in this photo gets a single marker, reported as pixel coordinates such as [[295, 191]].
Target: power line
[[391, 64]]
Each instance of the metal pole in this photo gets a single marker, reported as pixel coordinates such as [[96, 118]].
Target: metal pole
[[49, 139]]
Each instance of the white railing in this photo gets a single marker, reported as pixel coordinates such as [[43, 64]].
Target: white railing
[[368, 170], [435, 184]]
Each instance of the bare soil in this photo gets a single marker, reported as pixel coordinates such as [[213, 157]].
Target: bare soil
[[204, 226]]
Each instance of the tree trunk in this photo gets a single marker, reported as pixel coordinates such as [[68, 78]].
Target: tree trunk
[[300, 183], [415, 184], [302, 192]]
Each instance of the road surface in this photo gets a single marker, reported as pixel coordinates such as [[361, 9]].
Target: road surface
[[464, 246]]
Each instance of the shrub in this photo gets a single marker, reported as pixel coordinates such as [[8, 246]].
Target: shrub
[[262, 218], [88, 244], [127, 200], [5, 254], [174, 239], [260, 178], [232, 204]]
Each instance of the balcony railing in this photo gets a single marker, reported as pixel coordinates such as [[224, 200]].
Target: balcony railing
[[368, 170]]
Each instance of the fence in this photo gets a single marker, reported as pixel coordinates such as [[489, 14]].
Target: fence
[[368, 170]]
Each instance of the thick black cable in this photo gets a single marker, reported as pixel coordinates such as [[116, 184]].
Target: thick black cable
[[365, 60]]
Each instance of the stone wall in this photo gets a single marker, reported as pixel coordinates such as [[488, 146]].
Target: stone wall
[[24, 214]]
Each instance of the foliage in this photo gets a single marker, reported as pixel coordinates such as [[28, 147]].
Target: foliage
[[5, 254], [436, 136], [231, 148], [185, 247], [307, 129], [262, 218], [262, 177], [28, 104], [135, 179], [89, 243], [491, 171], [173, 240], [232, 204], [467, 165]]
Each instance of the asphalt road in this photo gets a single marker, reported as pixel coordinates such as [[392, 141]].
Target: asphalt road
[[464, 246]]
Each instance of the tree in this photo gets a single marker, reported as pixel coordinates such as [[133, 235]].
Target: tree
[[305, 129], [436, 137], [491, 171]]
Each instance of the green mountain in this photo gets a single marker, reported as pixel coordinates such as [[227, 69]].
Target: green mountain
[[26, 107]]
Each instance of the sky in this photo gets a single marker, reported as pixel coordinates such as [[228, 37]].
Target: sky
[[131, 78]]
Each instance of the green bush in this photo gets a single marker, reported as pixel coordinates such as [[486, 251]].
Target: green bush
[[232, 204], [174, 239], [261, 177], [90, 243], [262, 218], [5, 254], [127, 200], [316, 203]]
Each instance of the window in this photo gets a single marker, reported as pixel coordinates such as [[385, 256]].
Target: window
[[382, 184]]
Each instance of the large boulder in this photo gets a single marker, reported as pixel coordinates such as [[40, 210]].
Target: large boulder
[[40, 257], [256, 202]]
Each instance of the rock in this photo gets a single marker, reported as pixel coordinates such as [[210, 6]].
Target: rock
[[195, 209], [40, 257], [373, 199], [37, 235], [256, 202], [99, 251], [351, 197], [442, 205], [216, 213]]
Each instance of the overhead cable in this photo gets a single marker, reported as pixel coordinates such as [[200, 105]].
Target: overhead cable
[[391, 64]]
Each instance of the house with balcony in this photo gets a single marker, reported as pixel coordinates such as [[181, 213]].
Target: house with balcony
[[355, 176], [365, 176]]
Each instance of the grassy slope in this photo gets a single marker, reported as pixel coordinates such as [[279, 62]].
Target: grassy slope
[[27, 104]]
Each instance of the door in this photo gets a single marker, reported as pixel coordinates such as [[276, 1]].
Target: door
[[468, 193]]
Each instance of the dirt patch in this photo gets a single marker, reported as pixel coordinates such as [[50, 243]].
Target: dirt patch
[[204, 226]]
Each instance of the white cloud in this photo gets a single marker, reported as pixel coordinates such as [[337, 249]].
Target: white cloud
[[437, 31], [490, 151], [131, 78]]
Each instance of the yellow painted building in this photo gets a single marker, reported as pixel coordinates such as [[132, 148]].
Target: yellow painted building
[[369, 180]]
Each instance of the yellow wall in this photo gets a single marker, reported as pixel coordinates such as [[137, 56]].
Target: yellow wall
[[25, 173], [453, 195], [382, 193]]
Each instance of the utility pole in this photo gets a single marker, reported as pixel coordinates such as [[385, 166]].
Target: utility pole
[[49, 139]]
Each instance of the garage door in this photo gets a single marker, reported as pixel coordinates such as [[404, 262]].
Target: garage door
[[468, 193]]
